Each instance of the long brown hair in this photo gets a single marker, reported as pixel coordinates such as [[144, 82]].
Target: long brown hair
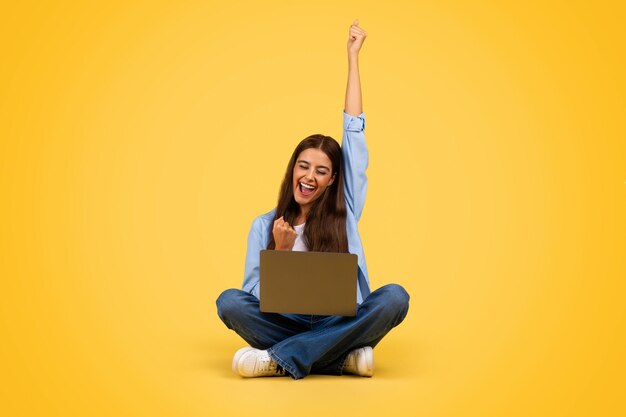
[[325, 227]]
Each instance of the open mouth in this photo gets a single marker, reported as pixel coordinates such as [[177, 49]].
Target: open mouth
[[306, 189]]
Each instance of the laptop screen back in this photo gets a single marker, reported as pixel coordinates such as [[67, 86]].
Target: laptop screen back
[[320, 283]]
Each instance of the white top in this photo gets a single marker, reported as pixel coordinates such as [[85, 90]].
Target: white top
[[299, 245]]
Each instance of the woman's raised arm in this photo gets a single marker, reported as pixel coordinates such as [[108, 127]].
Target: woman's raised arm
[[353, 146], [354, 105]]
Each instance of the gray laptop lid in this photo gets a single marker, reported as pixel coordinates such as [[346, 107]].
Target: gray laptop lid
[[320, 283]]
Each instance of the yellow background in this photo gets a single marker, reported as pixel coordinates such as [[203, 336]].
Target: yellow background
[[140, 139]]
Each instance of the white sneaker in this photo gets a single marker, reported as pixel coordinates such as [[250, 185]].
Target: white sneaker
[[360, 362], [250, 362]]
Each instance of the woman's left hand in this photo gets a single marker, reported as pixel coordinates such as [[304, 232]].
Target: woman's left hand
[[356, 38]]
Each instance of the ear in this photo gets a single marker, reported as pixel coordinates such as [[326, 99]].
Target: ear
[[331, 180]]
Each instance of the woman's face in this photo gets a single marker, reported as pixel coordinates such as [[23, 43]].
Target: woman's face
[[313, 169]]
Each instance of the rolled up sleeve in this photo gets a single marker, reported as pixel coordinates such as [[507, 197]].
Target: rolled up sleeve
[[355, 159]]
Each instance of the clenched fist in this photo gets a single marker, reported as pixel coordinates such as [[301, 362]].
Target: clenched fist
[[284, 234], [356, 38]]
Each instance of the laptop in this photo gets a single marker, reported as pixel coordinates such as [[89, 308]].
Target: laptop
[[319, 283]]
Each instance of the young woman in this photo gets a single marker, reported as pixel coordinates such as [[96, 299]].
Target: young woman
[[320, 202]]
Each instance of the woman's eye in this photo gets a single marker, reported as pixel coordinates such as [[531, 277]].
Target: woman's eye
[[321, 173]]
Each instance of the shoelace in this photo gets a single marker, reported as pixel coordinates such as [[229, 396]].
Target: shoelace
[[350, 362], [269, 365]]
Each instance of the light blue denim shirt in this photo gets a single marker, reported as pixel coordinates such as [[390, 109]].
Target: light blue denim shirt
[[355, 160]]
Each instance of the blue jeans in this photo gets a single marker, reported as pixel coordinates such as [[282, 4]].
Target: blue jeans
[[303, 344]]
